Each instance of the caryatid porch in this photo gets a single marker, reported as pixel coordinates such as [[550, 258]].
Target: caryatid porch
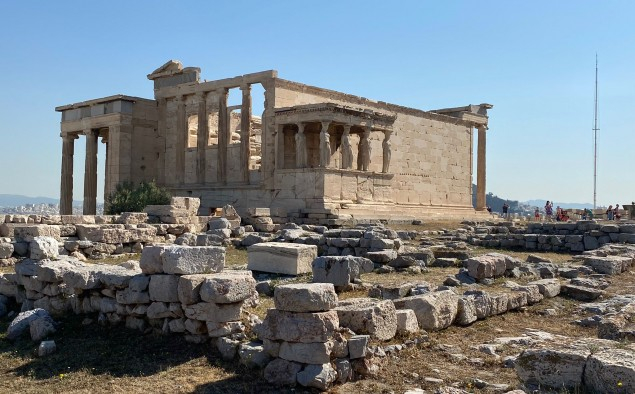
[[330, 136]]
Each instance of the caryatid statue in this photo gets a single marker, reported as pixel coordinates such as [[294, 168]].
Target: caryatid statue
[[300, 147], [364, 152], [325, 146], [347, 149], [386, 150]]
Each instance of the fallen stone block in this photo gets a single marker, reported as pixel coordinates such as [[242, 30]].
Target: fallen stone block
[[609, 265], [43, 248], [281, 258], [407, 322], [21, 322], [305, 297], [193, 259], [610, 371], [434, 311], [581, 293], [549, 288], [491, 265], [340, 270], [357, 346], [367, 316]]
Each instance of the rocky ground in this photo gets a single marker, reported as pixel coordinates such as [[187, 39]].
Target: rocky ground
[[479, 357]]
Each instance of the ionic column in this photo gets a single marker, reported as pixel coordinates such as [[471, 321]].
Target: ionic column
[[300, 147], [223, 136], [202, 138], [90, 173], [181, 137], [245, 129], [325, 145], [66, 187], [347, 149], [480, 169]]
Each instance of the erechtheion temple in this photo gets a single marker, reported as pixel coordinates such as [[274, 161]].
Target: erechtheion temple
[[315, 153]]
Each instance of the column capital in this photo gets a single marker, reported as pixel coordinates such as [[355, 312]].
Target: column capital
[[246, 88], [91, 133], [69, 136], [347, 128], [201, 94], [325, 125]]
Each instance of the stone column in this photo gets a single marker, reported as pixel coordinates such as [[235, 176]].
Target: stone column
[[202, 138], [160, 142], [181, 138], [223, 136], [387, 153], [90, 173], [480, 170], [325, 145], [66, 187], [245, 131], [105, 139], [347, 149], [300, 147]]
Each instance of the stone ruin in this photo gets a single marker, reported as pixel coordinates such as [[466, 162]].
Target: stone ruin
[[312, 337]]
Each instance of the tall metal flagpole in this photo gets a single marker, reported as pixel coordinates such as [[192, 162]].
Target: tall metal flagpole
[[595, 136]]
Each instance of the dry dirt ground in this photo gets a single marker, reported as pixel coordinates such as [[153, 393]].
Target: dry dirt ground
[[93, 359]]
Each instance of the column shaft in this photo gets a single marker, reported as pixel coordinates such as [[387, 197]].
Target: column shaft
[[181, 138], [223, 136], [202, 138], [66, 187], [245, 131], [480, 169], [90, 173]]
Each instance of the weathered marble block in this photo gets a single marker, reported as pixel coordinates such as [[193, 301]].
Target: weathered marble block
[[305, 297], [281, 258]]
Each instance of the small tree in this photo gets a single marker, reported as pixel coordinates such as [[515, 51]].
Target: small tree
[[130, 198]]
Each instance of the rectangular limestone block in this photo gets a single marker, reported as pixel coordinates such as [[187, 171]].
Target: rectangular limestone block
[[187, 260], [26, 233], [281, 258]]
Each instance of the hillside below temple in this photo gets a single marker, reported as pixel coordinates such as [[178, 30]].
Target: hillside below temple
[[315, 154]]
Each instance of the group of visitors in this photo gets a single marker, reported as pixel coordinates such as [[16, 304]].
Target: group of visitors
[[613, 213]]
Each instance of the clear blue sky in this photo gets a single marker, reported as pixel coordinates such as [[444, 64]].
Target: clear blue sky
[[533, 60]]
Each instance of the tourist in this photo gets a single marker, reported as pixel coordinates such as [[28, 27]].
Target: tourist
[[616, 212], [537, 214], [549, 211], [489, 209], [558, 213], [609, 213], [505, 210]]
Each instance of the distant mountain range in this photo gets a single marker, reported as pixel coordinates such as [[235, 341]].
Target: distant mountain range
[[571, 205], [14, 200]]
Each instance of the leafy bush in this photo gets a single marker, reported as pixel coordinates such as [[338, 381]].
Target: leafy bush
[[130, 198]]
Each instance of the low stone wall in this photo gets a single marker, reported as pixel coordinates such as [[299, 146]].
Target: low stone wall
[[175, 289], [558, 237]]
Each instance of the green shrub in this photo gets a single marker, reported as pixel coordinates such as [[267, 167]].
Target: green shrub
[[130, 198]]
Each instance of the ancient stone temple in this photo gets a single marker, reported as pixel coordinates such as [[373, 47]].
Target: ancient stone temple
[[313, 153]]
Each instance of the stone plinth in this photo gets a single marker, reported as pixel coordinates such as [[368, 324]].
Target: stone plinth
[[281, 258]]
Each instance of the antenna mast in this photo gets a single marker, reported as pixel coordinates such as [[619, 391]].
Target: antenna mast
[[595, 136]]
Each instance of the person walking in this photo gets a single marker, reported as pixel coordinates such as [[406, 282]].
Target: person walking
[[537, 215], [505, 210], [609, 213], [616, 212]]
